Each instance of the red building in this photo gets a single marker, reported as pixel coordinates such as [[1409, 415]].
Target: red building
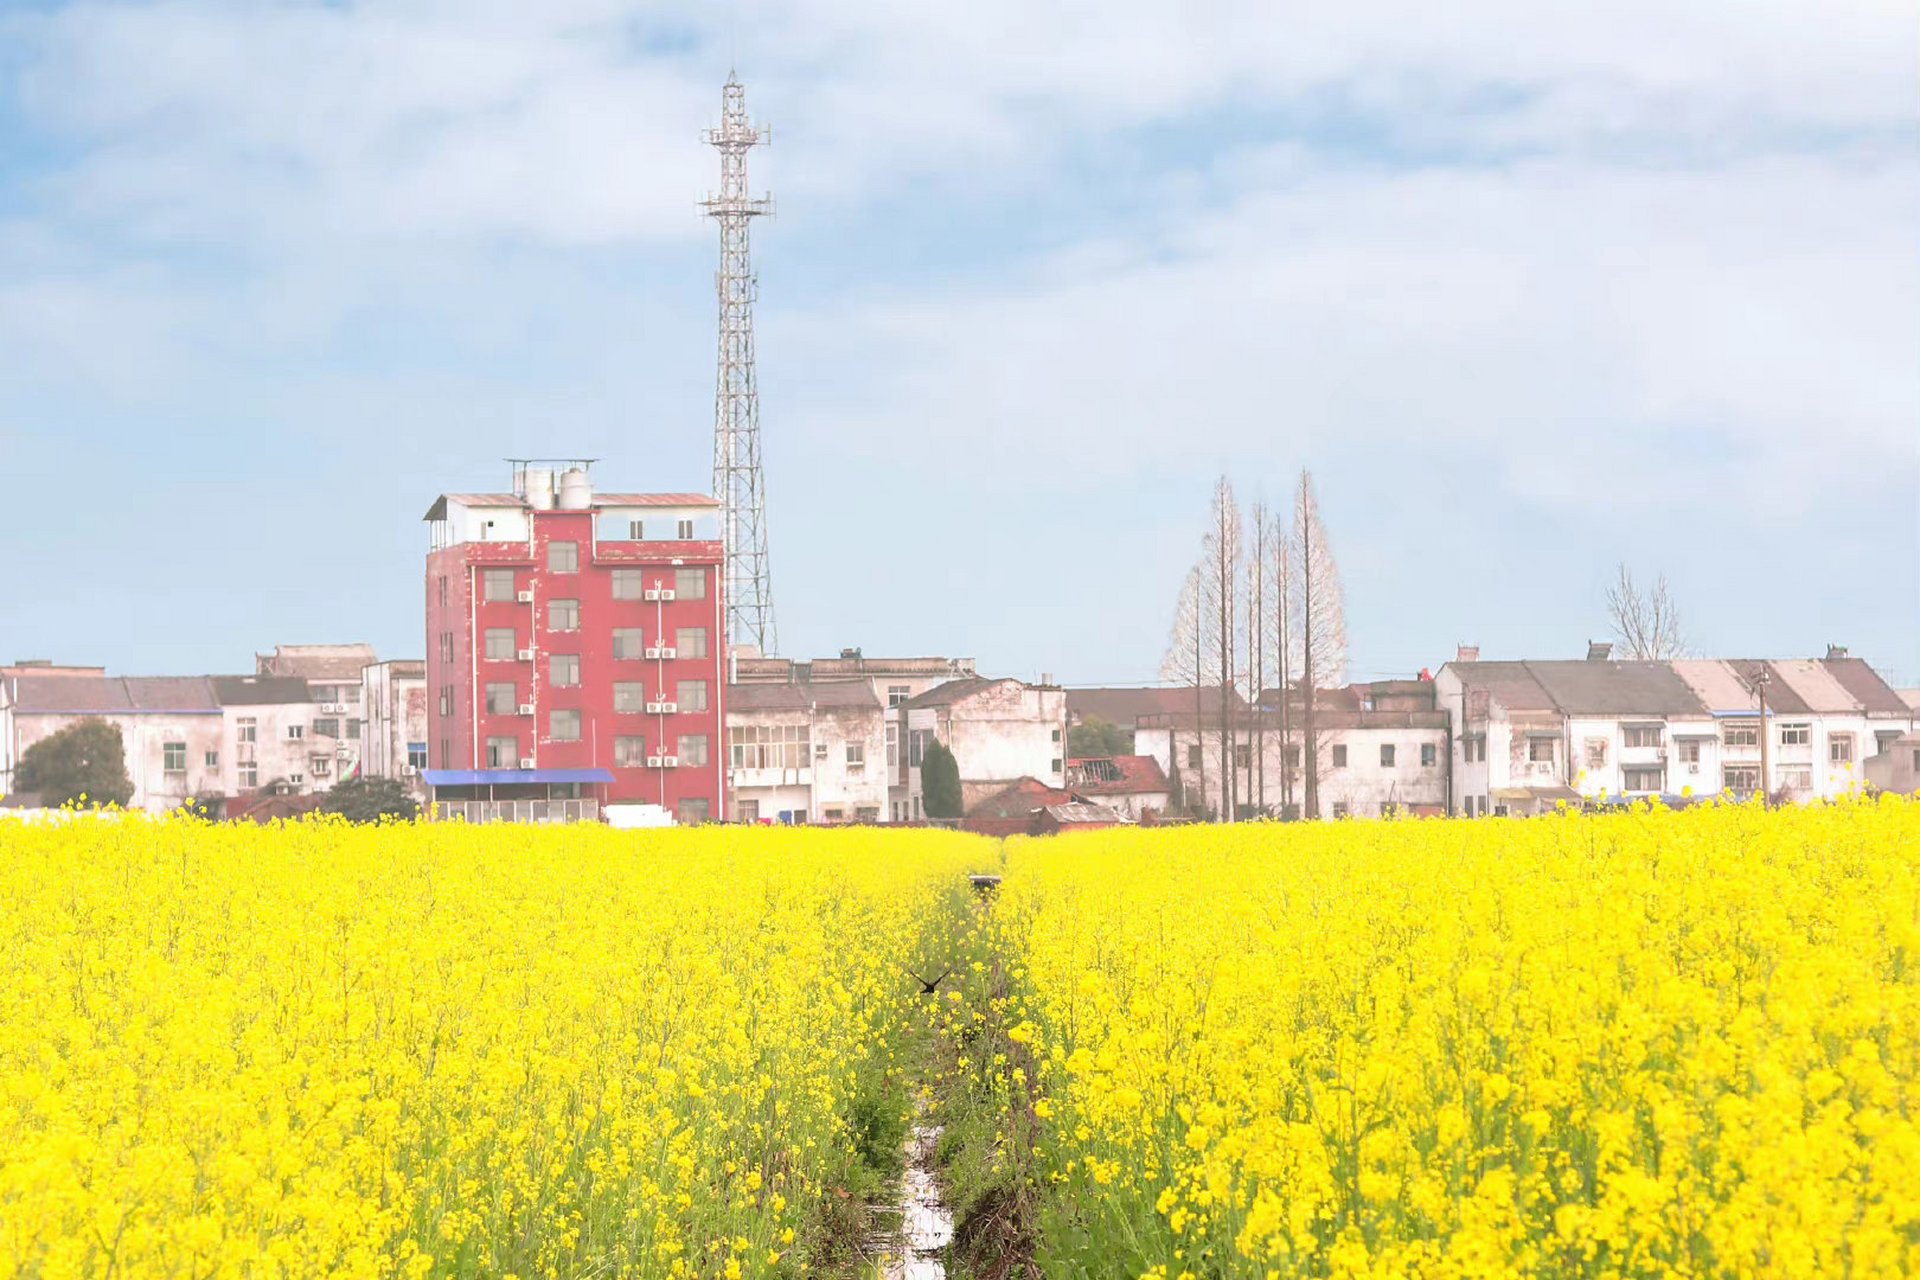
[[576, 646]]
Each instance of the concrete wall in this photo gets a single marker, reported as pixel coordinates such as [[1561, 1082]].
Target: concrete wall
[[144, 736], [1002, 733]]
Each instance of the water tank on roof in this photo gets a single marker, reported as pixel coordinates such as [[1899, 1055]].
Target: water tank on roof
[[576, 494], [538, 483]]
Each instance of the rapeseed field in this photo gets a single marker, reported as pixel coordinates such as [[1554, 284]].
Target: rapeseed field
[[1642, 1044], [444, 1050]]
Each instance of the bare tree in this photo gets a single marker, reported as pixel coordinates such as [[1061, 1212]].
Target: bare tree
[[1647, 623], [1283, 640], [1256, 648], [1186, 661], [1222, 584], [1323, 626]]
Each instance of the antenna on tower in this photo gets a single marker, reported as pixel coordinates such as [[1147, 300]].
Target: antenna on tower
[[737, 479]]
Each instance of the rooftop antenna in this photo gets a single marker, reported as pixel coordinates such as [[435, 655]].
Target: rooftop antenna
[[737, 479]]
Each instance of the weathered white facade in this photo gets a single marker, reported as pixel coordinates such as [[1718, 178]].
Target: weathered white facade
[[170, 728], [893, 680], [998, 730], [269, 726], [806, 753], [394, 694]]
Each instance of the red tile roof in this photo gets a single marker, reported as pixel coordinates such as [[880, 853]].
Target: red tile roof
[[1117, 775]]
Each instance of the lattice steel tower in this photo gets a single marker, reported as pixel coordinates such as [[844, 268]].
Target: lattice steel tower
[[737, 479]]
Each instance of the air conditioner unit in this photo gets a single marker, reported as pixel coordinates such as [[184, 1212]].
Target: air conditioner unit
[[526, 762], [524, 597], [663, 651], [662, 708], [526, 708], [526, 655], [663, 762], [659, 593]]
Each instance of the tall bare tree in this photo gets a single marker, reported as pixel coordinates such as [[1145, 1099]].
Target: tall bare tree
[[1221, 562], [1257, 554], [1186, 662], [1283, 639], [1646, 623], [1323, 626]]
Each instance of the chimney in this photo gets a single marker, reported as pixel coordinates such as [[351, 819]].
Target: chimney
[[1836, 651], [1599, 651], [1467, 653]]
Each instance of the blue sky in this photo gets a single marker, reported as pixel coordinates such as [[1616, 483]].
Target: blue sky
[[1532, 289]]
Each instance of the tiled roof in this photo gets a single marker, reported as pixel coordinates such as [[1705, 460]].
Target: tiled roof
[[1117, 775], [1019, 800], [260, 691], [1512, 684], [113, 694], [1583, 686], [1081, 813], [952, 691], [334, 663], [1861, 681]]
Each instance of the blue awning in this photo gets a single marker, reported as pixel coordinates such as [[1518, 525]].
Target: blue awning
[[510, 777]]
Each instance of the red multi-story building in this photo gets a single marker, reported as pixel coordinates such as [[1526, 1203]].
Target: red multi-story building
[[576, 647]]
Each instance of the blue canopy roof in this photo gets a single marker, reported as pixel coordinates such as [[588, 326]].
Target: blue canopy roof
[[509, 777]]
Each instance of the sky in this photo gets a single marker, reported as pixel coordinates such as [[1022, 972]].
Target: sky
[[1532, 290]]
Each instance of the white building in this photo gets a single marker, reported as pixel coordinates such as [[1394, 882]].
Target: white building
[[333, 676], [999, 731], [394, 697], [170, 728], [893, 680], [279, 736], [1529, 735], [1134, 786], [806, 753]]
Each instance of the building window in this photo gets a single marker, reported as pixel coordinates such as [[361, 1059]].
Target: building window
[[1386, 755], [693, 748], [690, 642], [500, 699], [1429, 755], [692, 811], [1196, 756], [446, 753], [249, 729], [212, 759], [1056, 765], [692, 695], [629, 750], [917, 740], [866, 813], [353, 729], [1473, 748], [563, 669], [686, 530], [1796, 778], [1916, 759], [416, 755], [296, 780], [1340, 809], [1795, 735], [833, 815], [1633, 778], [563, 557], [446, 700], [1540, 750], [629, 584], [1293, 757], [496, 584], [249, 775], [629, 643], [443, 591], [503, 752], [893, 746], [637, 530], [768, 746], [173, 757], [1840, 748], [1689, 750], [898, 693], [1741, 733], [563, 726], [1641, 735], [500, 644], [629, 696], [690, 584], [1743, 779], [563, 615], [856, 757], [446, 649], [296, 732], [328, 727], [321, 766], [747, 810], [1339, 755], [1056, 737]]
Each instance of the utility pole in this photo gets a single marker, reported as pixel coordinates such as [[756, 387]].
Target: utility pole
[[1760, 683], [737, 480]]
